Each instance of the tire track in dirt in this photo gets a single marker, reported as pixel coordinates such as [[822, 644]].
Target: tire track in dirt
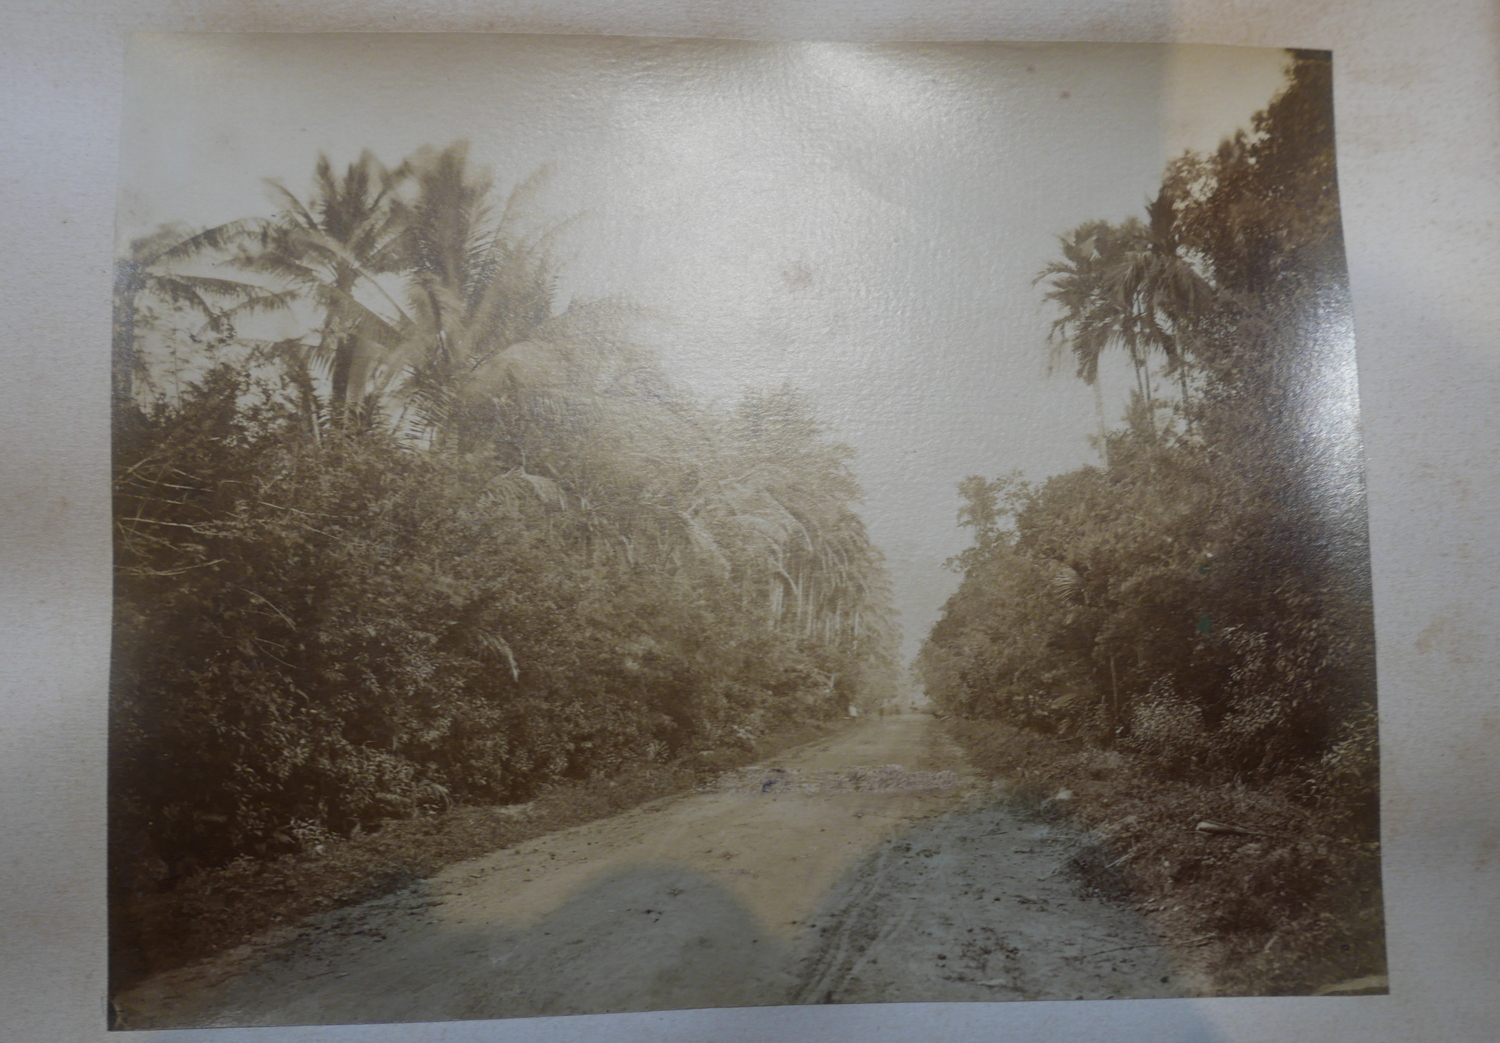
[[870, 865], [980, 904]]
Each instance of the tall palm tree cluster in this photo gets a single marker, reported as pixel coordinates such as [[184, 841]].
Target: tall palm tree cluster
[[1133, 286], [1202, 596], [431, 531], [406, 285]]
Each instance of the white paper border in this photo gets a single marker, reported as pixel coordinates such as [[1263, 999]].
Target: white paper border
[[1417, 89]]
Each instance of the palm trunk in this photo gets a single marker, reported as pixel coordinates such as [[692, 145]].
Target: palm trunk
[[343, 366]]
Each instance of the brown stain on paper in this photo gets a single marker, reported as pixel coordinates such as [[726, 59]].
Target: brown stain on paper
[[1451, 636]]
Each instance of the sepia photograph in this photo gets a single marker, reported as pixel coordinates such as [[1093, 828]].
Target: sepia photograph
[[611, 524]]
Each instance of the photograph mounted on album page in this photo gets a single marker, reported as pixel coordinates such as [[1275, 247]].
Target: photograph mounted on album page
[[611, 524]]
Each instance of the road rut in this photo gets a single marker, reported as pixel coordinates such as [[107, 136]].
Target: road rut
[[870, 865]]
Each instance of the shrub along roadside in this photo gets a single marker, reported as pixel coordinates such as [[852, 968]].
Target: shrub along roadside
[[1291, 908], [219, 908], [465, 546]]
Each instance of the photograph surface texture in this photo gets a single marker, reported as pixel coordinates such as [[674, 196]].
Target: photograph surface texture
[[610, 524]]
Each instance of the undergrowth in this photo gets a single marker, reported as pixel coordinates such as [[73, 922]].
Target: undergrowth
[[1294, 907], [216, 909]]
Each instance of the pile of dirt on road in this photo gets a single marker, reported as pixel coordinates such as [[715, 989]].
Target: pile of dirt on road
[[1269, 899], [219, 908]]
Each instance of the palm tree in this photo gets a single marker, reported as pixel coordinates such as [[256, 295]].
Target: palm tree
[[1083, 286], [1128, 284], [158, 269], [480, 292], [1162, 290], [333, 250], [790, 501]]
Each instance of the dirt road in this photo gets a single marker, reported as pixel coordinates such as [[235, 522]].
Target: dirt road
[[867, 866]]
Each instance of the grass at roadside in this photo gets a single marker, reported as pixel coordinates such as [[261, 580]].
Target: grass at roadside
[[1285, 910], [217, 909]]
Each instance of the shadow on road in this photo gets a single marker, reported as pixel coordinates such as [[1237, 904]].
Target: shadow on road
[[645, 938]]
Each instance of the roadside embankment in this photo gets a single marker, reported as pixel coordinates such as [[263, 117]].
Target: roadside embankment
[[705, 898], [1269, 898], [219, 908]]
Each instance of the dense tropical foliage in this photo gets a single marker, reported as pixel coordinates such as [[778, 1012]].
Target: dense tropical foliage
[[449, 540], [1201, 596]]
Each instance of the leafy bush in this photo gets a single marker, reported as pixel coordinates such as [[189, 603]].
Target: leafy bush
[[467, 545], [1169, 730], [1200, 597]]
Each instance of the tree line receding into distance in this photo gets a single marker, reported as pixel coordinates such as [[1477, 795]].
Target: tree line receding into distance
[[394, 525], [1201, 597]]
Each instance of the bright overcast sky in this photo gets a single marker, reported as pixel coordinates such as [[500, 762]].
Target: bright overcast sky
[[865, 222]]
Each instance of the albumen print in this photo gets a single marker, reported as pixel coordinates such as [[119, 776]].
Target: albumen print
[[623, 524]]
